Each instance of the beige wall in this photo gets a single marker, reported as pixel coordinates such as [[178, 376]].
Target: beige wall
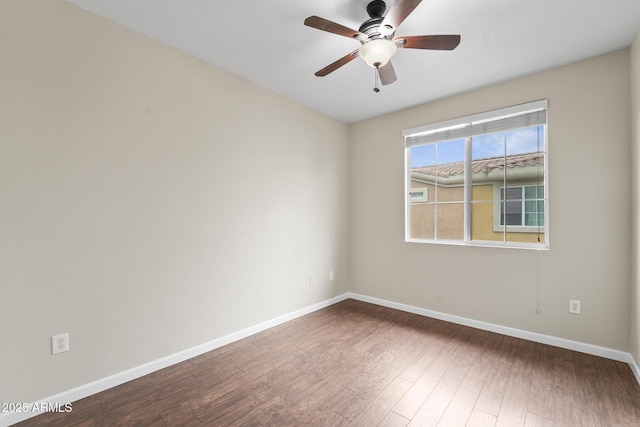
[[589, 170], [635, 123], [149, 202]]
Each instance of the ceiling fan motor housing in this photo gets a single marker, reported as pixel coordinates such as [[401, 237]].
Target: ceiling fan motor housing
[[371, 27]]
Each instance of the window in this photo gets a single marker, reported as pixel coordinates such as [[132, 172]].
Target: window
[[418, 195], [522, 206], [479, 179]]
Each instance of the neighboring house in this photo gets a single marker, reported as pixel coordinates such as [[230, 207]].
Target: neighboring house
[[437, 192]]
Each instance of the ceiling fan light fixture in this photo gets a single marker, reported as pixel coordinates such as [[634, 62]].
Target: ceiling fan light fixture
[[376, 53]]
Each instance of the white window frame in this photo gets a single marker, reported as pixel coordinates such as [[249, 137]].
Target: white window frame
[[465, 127]]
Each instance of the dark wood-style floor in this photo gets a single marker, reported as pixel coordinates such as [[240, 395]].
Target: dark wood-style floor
[[357, 364]]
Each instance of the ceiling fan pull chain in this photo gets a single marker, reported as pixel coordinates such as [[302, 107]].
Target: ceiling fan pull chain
[[375, 81]]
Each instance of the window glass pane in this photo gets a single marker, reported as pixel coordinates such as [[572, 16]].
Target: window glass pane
[[450, 153], [513, 207], [511, 213], [446, 193], [524, 161], [530, 219], [531, 192], [514, 193], [450, 221], [422, 155], [482, 215], [486, 152], [422, 217], [533, 219], [534, 192], [422, 160], [531, 207], [450, 171], [482, 219], [488, 146], [524, 141], [513, 219]]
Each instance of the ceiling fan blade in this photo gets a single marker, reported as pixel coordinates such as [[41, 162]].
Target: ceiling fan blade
[[439, 42], [332, 27], [399, 10], [387, 74], [337, 64]]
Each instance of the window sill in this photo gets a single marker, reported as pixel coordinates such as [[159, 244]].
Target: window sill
[[484, 243]]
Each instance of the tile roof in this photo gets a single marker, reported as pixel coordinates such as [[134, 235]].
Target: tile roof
[[483, 165]]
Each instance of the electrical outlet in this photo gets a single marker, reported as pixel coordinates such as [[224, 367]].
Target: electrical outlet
[[311, 281], [331, 275], [59, 343], [574, 306]]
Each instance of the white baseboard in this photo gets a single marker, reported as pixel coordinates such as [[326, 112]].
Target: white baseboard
[[595, 350], [635, 368], [59, 400], [103, 384]]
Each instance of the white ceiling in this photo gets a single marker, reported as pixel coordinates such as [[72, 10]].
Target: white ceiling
[[267, 43]]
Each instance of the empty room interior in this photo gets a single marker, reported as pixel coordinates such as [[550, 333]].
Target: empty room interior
[[176, 185]]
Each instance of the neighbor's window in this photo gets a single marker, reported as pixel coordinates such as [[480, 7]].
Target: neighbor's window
[[479, 179], [523, 205]]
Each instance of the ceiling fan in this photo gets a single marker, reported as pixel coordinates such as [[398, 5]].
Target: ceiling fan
[[377, 36]]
